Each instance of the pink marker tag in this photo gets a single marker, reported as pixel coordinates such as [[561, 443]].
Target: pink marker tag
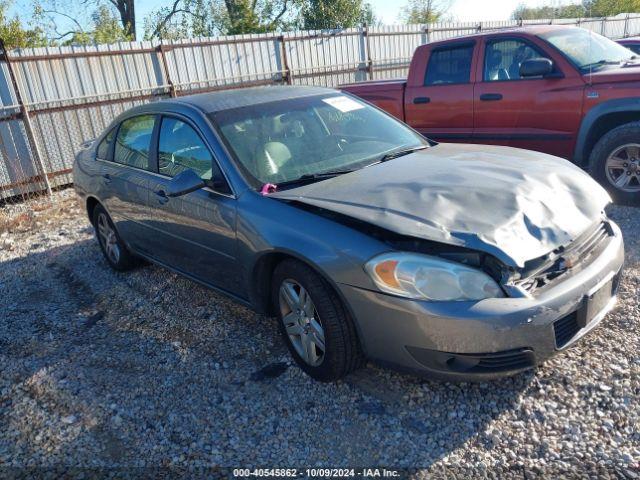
[[268, 188]]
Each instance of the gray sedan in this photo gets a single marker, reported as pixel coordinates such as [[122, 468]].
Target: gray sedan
[[365, 239]]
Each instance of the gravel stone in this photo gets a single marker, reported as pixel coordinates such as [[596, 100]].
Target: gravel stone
[[146, 368]]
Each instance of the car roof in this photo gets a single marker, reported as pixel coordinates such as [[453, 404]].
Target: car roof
[[628, 39], [244, 97], [527, 30]]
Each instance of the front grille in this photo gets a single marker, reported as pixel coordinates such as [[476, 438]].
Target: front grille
[[565, 329], [576, 254]]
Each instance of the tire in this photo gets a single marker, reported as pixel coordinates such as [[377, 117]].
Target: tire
[[602, 169], [124, 260], [342, 353]]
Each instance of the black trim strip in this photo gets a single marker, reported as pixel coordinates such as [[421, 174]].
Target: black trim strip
[[500, 136]]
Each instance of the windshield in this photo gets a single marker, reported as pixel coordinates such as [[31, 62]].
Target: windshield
[[282, 141], [587, 50]]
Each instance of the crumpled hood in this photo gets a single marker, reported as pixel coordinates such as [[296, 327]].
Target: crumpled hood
[[514, 204]]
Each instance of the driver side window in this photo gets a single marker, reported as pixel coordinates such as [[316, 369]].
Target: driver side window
[[180, 148], [502, 59]]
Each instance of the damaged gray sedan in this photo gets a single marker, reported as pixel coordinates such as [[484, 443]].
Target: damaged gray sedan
[[364, 239]]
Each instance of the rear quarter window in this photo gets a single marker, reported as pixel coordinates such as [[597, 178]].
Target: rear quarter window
[[104, 148]]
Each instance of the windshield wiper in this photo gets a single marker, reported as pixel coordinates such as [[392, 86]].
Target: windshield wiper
[[599, 63], [311, 177], [400, 153]]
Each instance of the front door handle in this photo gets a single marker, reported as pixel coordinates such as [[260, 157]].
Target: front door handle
[[106, 178], [421, 100], [490, 97], [162, 197]]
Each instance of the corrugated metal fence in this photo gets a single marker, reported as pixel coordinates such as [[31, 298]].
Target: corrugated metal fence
[[53, 99]]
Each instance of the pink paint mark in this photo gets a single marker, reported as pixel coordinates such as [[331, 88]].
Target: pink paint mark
[[268, 188]]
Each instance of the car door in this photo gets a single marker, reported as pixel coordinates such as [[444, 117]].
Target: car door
[[193, 233], [440, 103], [124, 176], [536, 113]]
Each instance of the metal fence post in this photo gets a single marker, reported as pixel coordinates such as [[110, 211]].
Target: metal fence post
[[24, 113], [367, 50], [165, 68], [285, 61], [626, 26]]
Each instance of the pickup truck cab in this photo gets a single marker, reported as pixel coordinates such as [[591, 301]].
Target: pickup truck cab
[[555, 89], [632, 43]]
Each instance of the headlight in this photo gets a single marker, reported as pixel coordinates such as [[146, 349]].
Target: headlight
[[422, 277]]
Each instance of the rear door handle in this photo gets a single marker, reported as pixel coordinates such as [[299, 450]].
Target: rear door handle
[[106, 178], [421, 100], [162, 197], [490, 97]]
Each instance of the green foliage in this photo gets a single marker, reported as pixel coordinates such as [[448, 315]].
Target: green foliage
[[424, 11], [588, 8], [15, 35], [610, 8], [106, 29], [328, 14]]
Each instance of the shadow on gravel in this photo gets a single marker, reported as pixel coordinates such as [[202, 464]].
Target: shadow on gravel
[[149, 369]]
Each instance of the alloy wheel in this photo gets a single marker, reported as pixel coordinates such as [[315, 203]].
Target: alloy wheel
[[623, 168], [302, 322], [108, 238]]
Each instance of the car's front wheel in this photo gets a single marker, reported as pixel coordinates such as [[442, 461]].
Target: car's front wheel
[[112, 246], [615, 163], [314, 323]]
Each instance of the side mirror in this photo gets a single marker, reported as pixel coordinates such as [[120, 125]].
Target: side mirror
[[536, 67], [185, 182]]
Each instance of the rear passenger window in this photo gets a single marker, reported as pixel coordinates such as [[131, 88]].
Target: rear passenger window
[[449, 65], [105, 146], [133, 141]]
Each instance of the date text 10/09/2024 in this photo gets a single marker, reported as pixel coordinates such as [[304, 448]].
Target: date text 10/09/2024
[[316, 472]]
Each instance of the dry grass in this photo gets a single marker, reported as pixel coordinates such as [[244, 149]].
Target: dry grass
[[38, 211]]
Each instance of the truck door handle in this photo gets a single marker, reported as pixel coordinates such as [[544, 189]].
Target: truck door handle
[[106, 178], [162, 197], [419, 100], [490, 97]]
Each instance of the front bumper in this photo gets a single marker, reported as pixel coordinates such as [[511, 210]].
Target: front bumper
[[486, 339]]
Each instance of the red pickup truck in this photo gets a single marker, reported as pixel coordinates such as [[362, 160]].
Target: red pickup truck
[[555, 89]]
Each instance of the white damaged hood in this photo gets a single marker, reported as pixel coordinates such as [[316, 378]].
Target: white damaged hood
[[514, 204]]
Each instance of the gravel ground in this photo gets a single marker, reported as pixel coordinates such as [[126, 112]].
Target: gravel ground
[[102, 369]]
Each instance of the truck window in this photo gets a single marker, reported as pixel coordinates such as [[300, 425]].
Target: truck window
[[449, 65], [502, 59]]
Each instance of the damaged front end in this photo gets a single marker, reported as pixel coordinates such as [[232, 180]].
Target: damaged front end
[[536, 276]]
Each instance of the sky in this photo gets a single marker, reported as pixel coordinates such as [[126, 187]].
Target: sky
[[386, 10]]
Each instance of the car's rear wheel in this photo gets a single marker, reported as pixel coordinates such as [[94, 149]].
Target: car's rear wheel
[[615, 163], [314, 323], [112, 246]]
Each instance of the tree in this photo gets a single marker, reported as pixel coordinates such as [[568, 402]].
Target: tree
[[588, 8], [15, 35], [424, 11], [106, 29], [610, 8], [328, 14], [185, 18]]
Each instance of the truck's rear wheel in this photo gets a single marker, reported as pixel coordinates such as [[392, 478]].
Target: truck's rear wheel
[[615, 163]]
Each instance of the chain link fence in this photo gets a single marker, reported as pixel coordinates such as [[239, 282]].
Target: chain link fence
[[55, 98]]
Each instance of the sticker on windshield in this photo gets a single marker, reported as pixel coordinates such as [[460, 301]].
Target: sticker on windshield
[[344, 104]]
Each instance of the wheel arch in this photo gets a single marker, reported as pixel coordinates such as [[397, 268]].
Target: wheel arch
[[91, 204], [601, 119], [260, 284]]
